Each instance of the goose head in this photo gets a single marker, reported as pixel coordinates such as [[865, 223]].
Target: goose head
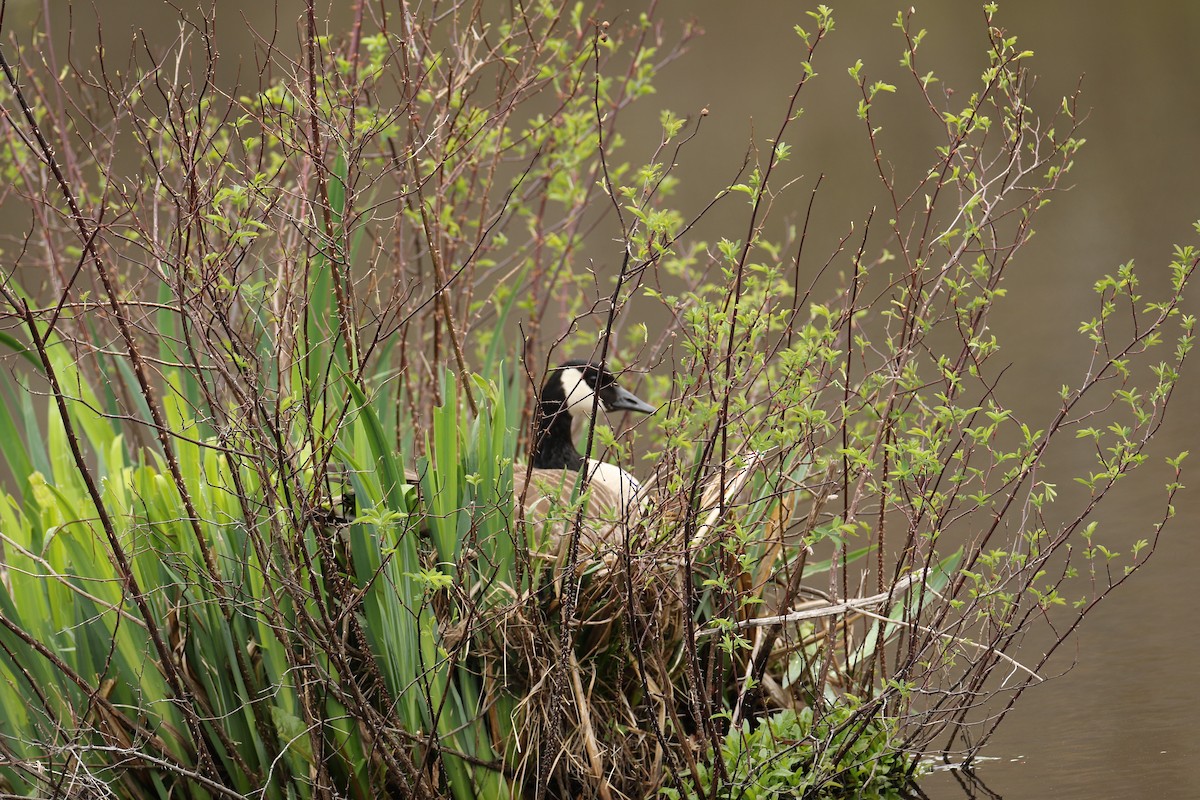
[[570, 392]]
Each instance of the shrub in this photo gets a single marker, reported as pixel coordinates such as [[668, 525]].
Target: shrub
[[266, 406]]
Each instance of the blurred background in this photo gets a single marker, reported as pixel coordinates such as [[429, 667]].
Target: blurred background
[[1118, 719]]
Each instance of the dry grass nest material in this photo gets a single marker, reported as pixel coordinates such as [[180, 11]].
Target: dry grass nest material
[[627, 639]]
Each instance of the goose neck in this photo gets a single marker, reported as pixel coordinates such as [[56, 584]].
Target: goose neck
[[554, 445]]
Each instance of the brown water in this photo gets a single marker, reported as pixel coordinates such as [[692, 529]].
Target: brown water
[[1122, 722]]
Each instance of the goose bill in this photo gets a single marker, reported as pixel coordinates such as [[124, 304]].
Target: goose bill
[[627, 401]]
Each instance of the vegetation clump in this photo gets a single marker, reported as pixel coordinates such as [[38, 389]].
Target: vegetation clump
[[779, 758], [271, 358]]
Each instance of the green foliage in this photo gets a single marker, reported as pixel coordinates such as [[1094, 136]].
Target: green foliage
[[850, 751], [248, 634]]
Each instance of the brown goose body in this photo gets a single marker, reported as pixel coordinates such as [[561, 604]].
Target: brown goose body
[[544, 497]]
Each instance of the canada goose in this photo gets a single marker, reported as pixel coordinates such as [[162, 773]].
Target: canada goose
[[543, 488], [569, 393]]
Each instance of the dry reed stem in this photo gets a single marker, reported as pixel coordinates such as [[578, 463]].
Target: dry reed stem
[[595, 759], [830, 609]]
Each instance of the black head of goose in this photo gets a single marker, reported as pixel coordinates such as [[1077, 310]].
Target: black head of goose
[[569, 393]]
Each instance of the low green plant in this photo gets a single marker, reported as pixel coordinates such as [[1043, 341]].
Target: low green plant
[[849, 750]]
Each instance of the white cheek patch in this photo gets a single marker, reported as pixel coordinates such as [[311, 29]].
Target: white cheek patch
[[579, 394]]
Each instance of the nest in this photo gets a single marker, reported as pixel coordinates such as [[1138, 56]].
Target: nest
[[603, 716], [587, 718]]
